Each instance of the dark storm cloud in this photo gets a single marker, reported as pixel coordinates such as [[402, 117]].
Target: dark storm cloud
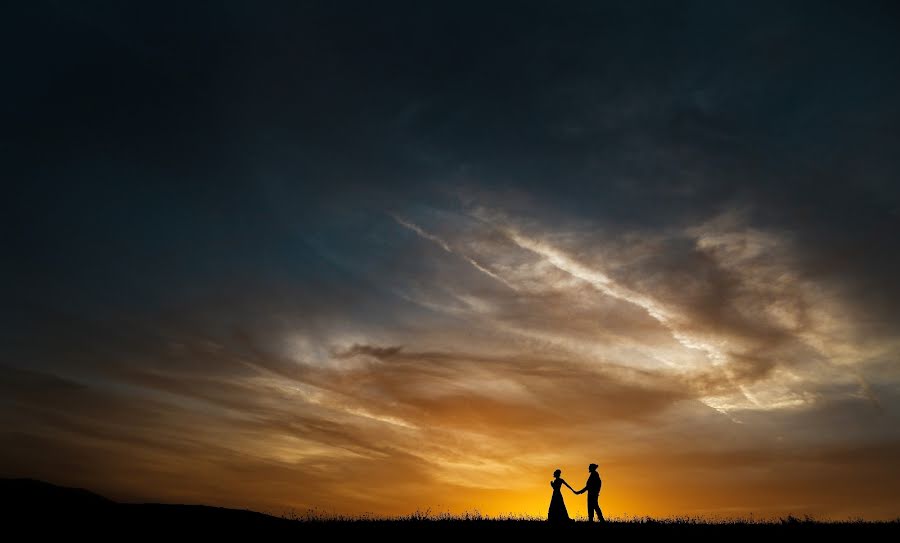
[[609, 111]]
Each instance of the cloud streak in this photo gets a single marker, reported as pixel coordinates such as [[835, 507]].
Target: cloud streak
[[443, 245]]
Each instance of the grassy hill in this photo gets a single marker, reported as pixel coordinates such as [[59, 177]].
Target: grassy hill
[[39, 507]]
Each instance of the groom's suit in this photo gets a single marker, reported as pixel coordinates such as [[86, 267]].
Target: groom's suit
[[593, 494]]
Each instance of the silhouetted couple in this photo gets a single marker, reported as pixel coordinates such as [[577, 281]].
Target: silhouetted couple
[[558, 512]]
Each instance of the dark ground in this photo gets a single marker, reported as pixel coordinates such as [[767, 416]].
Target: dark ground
[[35, 508]]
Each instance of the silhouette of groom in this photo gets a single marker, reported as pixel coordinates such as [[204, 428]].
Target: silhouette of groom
[[593, 489]]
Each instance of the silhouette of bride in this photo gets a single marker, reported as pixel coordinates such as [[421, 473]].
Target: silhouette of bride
[[557, 511]]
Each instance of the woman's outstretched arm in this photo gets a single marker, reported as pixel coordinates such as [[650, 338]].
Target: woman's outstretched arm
[[567, 484]]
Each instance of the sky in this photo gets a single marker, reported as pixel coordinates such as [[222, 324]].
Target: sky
[[380, 257]]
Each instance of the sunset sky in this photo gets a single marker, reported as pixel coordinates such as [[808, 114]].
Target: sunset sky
[[374, 257]]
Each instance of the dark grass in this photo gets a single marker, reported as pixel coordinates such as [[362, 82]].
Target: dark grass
[[35, 508], [427, 516]]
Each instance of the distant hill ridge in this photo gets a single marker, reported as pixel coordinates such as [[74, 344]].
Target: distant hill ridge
[[44, 505], [28, 492]]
